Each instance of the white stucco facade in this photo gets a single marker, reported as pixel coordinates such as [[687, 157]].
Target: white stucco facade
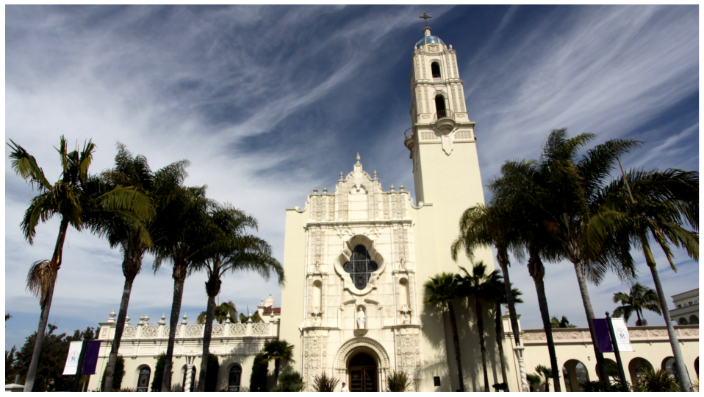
[[356, 258]]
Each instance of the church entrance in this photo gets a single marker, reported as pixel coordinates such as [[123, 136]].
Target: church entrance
[[363, 373]]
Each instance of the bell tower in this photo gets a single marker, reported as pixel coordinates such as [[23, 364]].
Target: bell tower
[[441, 140]]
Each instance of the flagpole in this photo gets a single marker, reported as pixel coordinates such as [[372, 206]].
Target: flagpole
[[614, 342]]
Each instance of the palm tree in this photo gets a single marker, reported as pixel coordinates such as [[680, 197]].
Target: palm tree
[[183, 235], [278, 350], [480, 286], [563, 323], [442, 289], [534, 381], [484, 226], [230, 250], [545, 373], [499, 293], [71, 197], [638, 299], [656, 204], [222, 313], [134, 236], [567, 192], [515, 189]]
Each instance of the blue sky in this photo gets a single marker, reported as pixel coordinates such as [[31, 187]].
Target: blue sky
[[269, 102]]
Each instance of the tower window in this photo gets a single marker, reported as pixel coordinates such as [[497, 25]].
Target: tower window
[[360, 267], [440, 106], [435, 69]]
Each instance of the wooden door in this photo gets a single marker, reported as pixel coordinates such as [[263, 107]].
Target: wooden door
[[363, 379]]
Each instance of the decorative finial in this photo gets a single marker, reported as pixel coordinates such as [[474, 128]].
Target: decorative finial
[[426, 17], [127, 318], [315, 190], [112, 315], [161, 321], [400, 188], [185, 317], [340, 175], [392, 186], [325, 190], [146, 318], [374, 174]]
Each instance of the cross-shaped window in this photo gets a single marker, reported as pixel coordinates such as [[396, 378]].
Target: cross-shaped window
[[360, 267]]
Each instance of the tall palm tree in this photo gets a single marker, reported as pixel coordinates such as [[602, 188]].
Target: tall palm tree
[[484, 226], [442, 290], [513, 190], [183, 235], [220, 313], [567, 191], [71, 197], [499, 299], [134, 236], [638, 299], [231, 249], [562, 323], [480, 286], [657, 205], [278, 350]]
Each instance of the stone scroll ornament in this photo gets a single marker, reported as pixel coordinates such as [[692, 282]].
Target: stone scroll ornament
[[360, 267]]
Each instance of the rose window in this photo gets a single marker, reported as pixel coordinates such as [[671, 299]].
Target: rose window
[[360, 267]]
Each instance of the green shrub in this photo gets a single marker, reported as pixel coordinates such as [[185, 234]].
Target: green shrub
[[211, 377], [323, 383], [290, 382], [595, 386], [159, 372], [117, 378], [260, 368], [398, 381], [656, 381]]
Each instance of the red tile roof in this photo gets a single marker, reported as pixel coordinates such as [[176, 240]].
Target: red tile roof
[[275, 310]]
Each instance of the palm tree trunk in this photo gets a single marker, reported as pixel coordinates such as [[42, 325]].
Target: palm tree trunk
[[179, 276], [207, 335], [456, 342], [586, 300], [482, 345], [119, 328], [46, 307], [502, 258], [639, 322], [537, 271], [277, 368], [499, 341], [682, 378]]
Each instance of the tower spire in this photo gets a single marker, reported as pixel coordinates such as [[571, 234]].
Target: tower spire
[[426, 17]]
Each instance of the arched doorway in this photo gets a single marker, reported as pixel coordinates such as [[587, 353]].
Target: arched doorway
[[363, 373], [575, 373]]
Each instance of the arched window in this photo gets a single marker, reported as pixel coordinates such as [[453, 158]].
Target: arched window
[[435, 69], [234, 379], [360, 267], [440, 106], [143, 379], [682, 321], [693, 319]]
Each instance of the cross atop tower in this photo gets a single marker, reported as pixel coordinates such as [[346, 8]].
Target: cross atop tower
[[426, 17]]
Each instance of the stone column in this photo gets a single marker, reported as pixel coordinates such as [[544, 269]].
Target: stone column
[[189, 370], [521, 368]]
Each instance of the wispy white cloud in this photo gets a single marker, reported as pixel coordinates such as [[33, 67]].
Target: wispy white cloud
[[269, 102]]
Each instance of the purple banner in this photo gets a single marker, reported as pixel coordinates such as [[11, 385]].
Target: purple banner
[[603, 340], [91, 358]]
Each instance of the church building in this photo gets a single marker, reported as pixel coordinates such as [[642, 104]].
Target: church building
[[356, 258]]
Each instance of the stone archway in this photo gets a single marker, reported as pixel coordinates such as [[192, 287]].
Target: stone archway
[[359, 347]]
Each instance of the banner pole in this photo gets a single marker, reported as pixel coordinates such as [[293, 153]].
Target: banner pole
[[614, 342], [79, 368]]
